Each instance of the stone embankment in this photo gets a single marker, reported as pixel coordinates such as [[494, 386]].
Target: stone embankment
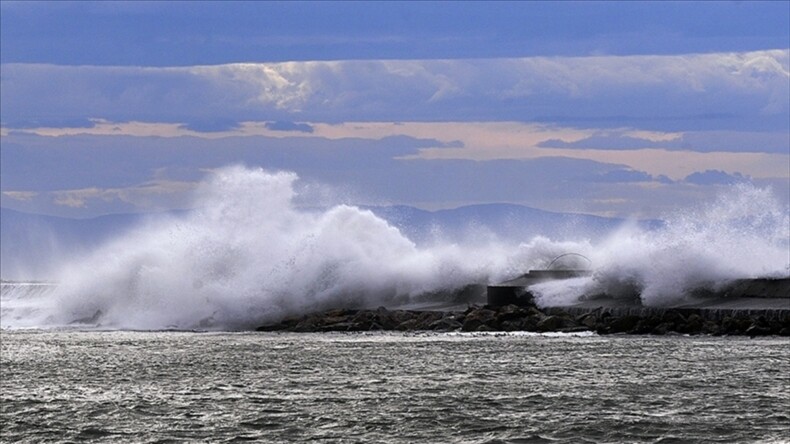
[[515, 318]]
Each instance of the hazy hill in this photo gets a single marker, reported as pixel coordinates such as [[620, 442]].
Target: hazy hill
[[505, 221]]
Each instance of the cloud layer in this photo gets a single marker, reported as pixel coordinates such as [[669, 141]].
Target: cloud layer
[[82, 175], [725, 91], [612, 135]]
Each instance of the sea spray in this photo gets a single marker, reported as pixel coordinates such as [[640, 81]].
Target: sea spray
[[743, 234], [247, 254]]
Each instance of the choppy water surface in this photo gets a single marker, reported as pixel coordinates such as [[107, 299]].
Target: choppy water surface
[[395, 388]]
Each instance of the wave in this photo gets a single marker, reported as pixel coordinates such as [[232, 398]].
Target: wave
[[249, 254]]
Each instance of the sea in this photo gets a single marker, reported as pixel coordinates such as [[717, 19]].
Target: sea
[[60, 386]]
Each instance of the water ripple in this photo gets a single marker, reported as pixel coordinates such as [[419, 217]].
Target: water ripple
[[394, 388]]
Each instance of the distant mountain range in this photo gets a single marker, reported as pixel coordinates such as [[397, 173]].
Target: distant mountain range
[[31, 243], [511, 222]]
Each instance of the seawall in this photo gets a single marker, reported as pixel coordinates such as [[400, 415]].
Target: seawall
[[556, 319]]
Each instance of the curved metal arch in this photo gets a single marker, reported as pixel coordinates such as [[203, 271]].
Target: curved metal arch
[[570, 254]]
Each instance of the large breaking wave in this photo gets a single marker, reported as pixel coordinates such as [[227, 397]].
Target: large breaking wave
[[248, 254]]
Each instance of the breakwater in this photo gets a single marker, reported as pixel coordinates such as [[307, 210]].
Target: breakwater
[[601, 320]]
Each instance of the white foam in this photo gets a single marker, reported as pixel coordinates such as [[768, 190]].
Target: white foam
[[248, 254], [743, 234]]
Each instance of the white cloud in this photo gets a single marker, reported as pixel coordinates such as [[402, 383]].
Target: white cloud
[[152, 195], [747, 85], [24, 196]]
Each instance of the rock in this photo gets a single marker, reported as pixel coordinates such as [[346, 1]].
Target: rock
[[530, 323], [662, 328], [93, 319], [340, 326], [588, 320], [728, 326], [426, 319], [533, 311], [285, 324], [711, 328], [567, 319], [575, 329], [515, 318], [775, 326], [307, 325], [693, 325], [551, 323], [375, 326], [471, 308], [509, 313], [757, 330], [512, 325], [365, 318], [623, 324], [412, 324], [271, 327], [448, 323], [387, 319], [646, 325], [478, 317], [340, 312], [334, 319], [674, 318]]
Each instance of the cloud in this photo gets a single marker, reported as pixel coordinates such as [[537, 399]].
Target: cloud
[[699, 141], [732, 91], [619, 176], [137, 174], [351, 145], [715, 177], [211, 125], [151, 195], [40, 163], [607, 142], [289, 126], [24, 196]]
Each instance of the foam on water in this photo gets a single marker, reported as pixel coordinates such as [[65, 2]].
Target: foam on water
[[249, 254]]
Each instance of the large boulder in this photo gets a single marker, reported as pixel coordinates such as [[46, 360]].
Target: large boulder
[[647, 325], [477, 317], [675, 319], [694, 324], [588, 320], [425, 319], [447, 323], [509, 313], [411, 324], [623, 324], [551, 323]]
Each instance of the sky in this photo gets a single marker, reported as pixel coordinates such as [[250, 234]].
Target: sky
[[628, 109]]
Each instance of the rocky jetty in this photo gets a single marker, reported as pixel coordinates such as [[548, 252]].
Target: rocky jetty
[[516, 318]]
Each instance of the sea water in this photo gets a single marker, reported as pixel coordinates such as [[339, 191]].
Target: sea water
[[124, 386]]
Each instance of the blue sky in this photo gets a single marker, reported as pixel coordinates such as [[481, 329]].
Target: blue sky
[[184, 34], [612, 108]]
